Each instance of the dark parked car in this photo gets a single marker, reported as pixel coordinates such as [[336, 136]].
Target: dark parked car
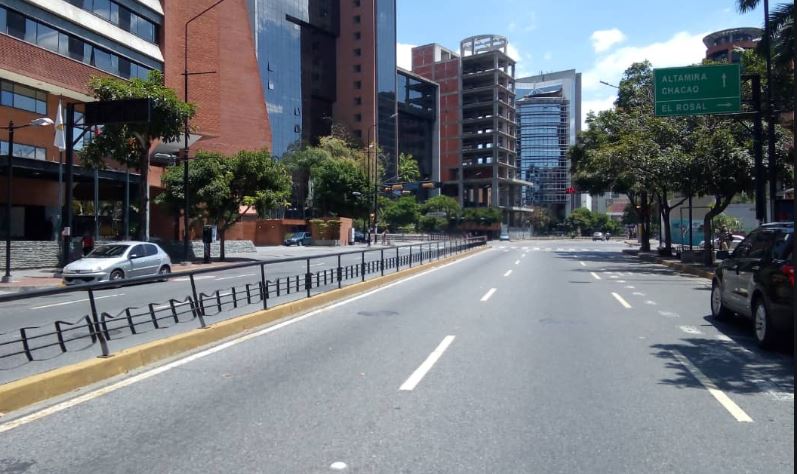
[[359, 236], [298, 238], [756, 280]]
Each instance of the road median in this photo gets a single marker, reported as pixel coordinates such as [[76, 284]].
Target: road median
[[30, 390]]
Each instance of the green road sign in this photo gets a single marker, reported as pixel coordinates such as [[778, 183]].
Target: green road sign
[[698, 90]]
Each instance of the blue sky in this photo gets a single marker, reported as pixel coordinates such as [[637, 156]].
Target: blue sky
[[597, 38]]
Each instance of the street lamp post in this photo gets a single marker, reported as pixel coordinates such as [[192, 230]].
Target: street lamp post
[[39, 122], [186, 201]]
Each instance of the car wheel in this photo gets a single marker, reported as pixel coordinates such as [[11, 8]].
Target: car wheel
[[164, 270], [117, 275], [718, 310], [764, 332]]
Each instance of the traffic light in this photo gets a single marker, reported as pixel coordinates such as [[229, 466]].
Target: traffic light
[[570, 190]]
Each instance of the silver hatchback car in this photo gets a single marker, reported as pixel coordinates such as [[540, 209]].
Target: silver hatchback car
[[118, 260]]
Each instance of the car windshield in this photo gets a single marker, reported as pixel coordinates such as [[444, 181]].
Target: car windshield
[[297, 235], [108, 251]]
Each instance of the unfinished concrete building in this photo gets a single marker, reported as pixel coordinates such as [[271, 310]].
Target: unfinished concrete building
[[489, 175]]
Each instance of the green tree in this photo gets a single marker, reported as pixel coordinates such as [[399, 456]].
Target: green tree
[[781, 24], [441, 203], [724, 167], [580, 221], [541, 219], [433, 223], [482, 215], [226, 187], [130, 143], [340, 187], [301, 161], [408, 171], [402, 212]]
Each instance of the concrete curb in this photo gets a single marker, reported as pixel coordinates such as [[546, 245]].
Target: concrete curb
[[25, 392]]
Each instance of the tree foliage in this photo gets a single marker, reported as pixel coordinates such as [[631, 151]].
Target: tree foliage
[[408, 170], [225, 187], [402, 212], [130, 143]]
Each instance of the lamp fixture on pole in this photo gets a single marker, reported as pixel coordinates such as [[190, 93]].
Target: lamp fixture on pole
[[39, 122]]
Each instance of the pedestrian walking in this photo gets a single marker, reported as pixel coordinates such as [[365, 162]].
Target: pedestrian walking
[[87, 243]]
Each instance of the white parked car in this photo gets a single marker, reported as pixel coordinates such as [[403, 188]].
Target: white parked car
[[118, 260]]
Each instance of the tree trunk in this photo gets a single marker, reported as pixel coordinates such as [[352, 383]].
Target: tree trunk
[[665, 218], [708, 234], [177, 226], [222, 231], [143, 194], [645, 222]]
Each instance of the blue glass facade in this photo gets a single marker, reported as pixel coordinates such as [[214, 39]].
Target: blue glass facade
[[386, 82], [295, 47], [278, 50]]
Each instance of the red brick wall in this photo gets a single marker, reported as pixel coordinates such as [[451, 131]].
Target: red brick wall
[[231, 109], [445, 73], [344, 110], [41, 64]]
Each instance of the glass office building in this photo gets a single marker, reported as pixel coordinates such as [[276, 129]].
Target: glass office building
[[418, 127], [386, 81], [549, 119], [295, 47]]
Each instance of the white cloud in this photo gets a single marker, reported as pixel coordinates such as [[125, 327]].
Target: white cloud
[[513, 52], [404, 55], [682, 49], [596, 105], [603, 40], [547, 56]]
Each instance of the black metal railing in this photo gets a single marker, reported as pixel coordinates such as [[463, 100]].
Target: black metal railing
[[52, 339]]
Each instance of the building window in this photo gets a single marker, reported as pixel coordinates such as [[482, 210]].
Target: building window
[[358, 117], [23, 97], [357, 35], [358, 68], [358, 134], [59, 42], [358, 84], [24, 151], [356, 3], [356, 19], [120, 16], [358, 101], [358, 52]]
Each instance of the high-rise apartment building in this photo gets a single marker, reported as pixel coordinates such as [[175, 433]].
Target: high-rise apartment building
[[478, 129], [549, 111], [727, 45]]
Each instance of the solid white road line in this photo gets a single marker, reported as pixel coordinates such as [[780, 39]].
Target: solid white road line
[[715, 392], [621, 300], [200, 277], [595, 275], [200, 355], [488, 294], [508, 272], [236, 276], [427, 365], [76, 301], [583, 264]]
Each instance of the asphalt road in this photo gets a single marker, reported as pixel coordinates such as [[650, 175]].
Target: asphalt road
[[40, 313], [517, 359]]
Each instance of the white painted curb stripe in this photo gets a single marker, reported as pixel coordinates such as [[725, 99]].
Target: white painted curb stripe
[[76, 301], [488, 294], [621, 300], [427, 365], [715, 392], [595, 275]]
